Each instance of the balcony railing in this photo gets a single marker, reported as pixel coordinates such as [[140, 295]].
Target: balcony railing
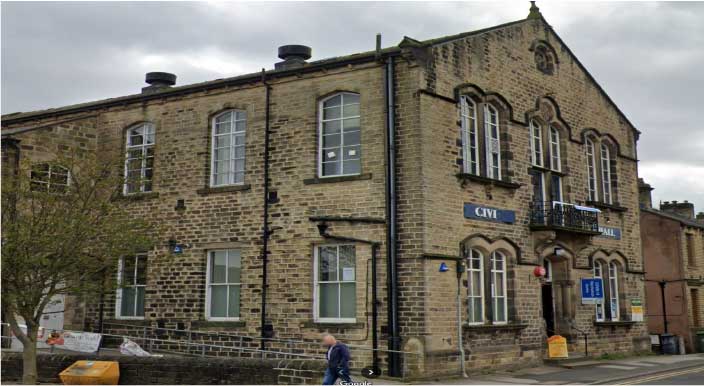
[[563, 216]]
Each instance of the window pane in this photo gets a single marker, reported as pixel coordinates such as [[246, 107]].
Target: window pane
[[222, 128], [238, 177], [499, 310], [222, 167], [128, 271], [234, 267], [142, 270], [331, 140], [222, 141], [476, 283], [140, 301], [351, 110], [347, 300], [327, 267], [351, 152], [239, 139], [347, 264], [239, 152], [127, 302], [332, 113], [352, 167], [136, 139], [224, 118], [331, 154], [233, 309], [334, 101], [351, 124], [499, 284], [222, 154], [331, 168], [352, 138], [240, 126], [221, 179], [218, 267], [218, 301], [332, 127], [351, 98], [478, 310], [328, 300], [239, 165]]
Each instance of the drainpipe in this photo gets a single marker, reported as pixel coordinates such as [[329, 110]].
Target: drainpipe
[[265, 231], [391, 236]]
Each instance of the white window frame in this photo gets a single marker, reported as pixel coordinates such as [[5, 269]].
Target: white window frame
[[613, 292], [470, 295], [209, 285], [493, 143], [321, 121], [317, 282], [555, 157], [606, 173], [149, 130], [233, 133], [592, 181], [536, 143], [120, 279], [599, 274], [494, 298], [51, 170], [468, 115], [559, 182]]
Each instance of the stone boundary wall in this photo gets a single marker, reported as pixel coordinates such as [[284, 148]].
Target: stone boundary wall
[[177, 370]]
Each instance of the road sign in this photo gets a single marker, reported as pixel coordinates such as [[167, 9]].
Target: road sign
[[592, 291]]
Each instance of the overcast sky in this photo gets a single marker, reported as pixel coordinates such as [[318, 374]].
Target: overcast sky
[[649, 57]]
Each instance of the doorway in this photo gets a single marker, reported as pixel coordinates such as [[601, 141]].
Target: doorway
[[547, 299]]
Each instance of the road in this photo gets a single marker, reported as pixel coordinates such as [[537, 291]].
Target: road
[[691, 376]]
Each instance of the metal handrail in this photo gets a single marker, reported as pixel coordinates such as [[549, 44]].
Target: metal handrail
[[564, 215]]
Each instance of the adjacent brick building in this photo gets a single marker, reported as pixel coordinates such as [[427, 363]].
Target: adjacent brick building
[[673, 253], [505, 155]]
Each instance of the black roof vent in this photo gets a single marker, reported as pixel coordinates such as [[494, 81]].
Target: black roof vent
[[158, 80], [293, 56]]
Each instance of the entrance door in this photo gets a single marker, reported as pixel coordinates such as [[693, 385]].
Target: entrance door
[[548, 309]]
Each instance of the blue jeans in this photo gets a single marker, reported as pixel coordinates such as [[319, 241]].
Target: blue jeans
[[331, 376]]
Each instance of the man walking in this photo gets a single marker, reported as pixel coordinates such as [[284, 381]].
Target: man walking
[[338, 357]]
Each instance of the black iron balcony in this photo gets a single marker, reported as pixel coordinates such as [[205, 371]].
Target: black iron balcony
[[554, 215]]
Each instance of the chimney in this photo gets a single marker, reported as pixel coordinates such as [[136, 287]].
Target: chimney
[[293, 56], [700, 217], [158, 81], [644, 196], [683, 209]]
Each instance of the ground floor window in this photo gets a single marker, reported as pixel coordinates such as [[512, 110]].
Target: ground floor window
[[223, 292], [610, 308], [335, 289], [496, 279], [132, 281]]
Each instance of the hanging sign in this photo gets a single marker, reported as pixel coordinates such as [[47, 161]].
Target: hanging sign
[[592, 291], [636, 310], [75, 341], [486, 213], [557, 347], [609, 232]]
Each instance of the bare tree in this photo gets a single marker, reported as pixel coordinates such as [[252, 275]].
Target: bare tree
[[63, 224]]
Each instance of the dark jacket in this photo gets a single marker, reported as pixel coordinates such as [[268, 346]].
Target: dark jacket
[[339, 357]]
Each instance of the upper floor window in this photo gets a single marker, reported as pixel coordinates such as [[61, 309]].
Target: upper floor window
[[228, 145], [606, 173], [470, 135], [132, 281], [339, 147], [493, 142], [555, 161], [223, 285], [46, 177], [536, 143], [591, 170], [139, 163], [335, 283]]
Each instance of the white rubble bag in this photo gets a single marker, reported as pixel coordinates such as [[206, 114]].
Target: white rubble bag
[[129, 347]]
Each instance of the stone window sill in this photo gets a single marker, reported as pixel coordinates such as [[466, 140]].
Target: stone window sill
[[620, 323], [139, 196], [603, 205], [213, 323], [464, 177], [494, 327], [332, 180], [117, 323], [223, 189], [311, 324], [547, 170]]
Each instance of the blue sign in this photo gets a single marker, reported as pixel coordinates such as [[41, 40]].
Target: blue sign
[[612, 233], [489, 214], [178, 249], [592, 291]]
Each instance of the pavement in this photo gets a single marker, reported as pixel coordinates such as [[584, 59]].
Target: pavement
[[646, 370]]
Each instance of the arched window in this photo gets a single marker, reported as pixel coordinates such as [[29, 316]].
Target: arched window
[[591, 170], [470, 135], [339, 147], [139, 158], [555, 161], [498, 287], [606, 173], [228, 148], [536, 143], [493, 142], [599, 274], [613, 291], [475, 286]]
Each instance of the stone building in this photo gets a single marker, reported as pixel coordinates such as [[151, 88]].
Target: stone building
[[504, 155], [673, 254]]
